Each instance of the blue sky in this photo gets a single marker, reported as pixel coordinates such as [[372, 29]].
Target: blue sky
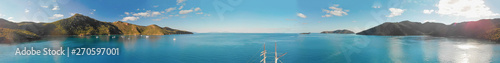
[[254, 16]]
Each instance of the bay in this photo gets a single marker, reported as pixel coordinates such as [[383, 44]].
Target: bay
[[247, 48]]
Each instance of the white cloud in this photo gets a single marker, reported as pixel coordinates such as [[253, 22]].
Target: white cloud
[[55, 16], [93, 10], [197, 9], [465, 8], [130, 18], [200, 13], [155, 6], [180, 1], [26, 10], [148, 13], [327, 15], [428, 11], [144, 14], [395, 12], [170, 9], [44, 6], [185, 11], [58, 15], [127, 13], [155, 13], [301, 15], [334, 10], [429, 21], [10, 18], [56, 8], [72, 13], [181, 7], [376, 7]]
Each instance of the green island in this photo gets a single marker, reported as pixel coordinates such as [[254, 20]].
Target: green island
[[76, 25], [482, 29]]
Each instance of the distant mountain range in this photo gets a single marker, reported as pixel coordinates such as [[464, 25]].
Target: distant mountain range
[[77, 25], [483, 29], [339, 31], [83, 25]]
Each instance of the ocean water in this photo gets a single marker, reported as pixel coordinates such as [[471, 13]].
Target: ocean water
[[247, 48]]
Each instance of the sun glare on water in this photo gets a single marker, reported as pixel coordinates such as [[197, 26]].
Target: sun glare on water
[[466, 46]]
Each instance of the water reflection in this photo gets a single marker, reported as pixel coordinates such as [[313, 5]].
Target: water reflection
[[429, 48], [56, 44], [445, 50], [128, 41], [154, 38], [470, 51], [395, 50]]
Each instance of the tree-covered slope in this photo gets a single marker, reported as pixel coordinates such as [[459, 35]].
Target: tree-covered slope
[[132, 29], [80, 25], [483, 29], [16, 35], [77, 25]]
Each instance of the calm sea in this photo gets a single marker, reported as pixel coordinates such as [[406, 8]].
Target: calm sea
[[247, 48]]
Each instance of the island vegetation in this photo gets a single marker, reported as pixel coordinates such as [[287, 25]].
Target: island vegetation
[[482, 29], [344, 31], [77, 25]]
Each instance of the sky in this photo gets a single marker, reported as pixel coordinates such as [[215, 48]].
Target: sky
[[254, 16]]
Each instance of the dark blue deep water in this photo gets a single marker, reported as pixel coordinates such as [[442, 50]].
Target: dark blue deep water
[[247, 48]]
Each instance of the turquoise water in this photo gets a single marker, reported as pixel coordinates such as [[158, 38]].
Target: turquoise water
[[246, 48]]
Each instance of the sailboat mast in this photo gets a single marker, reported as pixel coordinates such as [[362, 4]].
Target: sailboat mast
[[276, 57], [264, 54], [275, 54]]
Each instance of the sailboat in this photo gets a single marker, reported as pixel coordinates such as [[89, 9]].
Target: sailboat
[[276, 57]]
